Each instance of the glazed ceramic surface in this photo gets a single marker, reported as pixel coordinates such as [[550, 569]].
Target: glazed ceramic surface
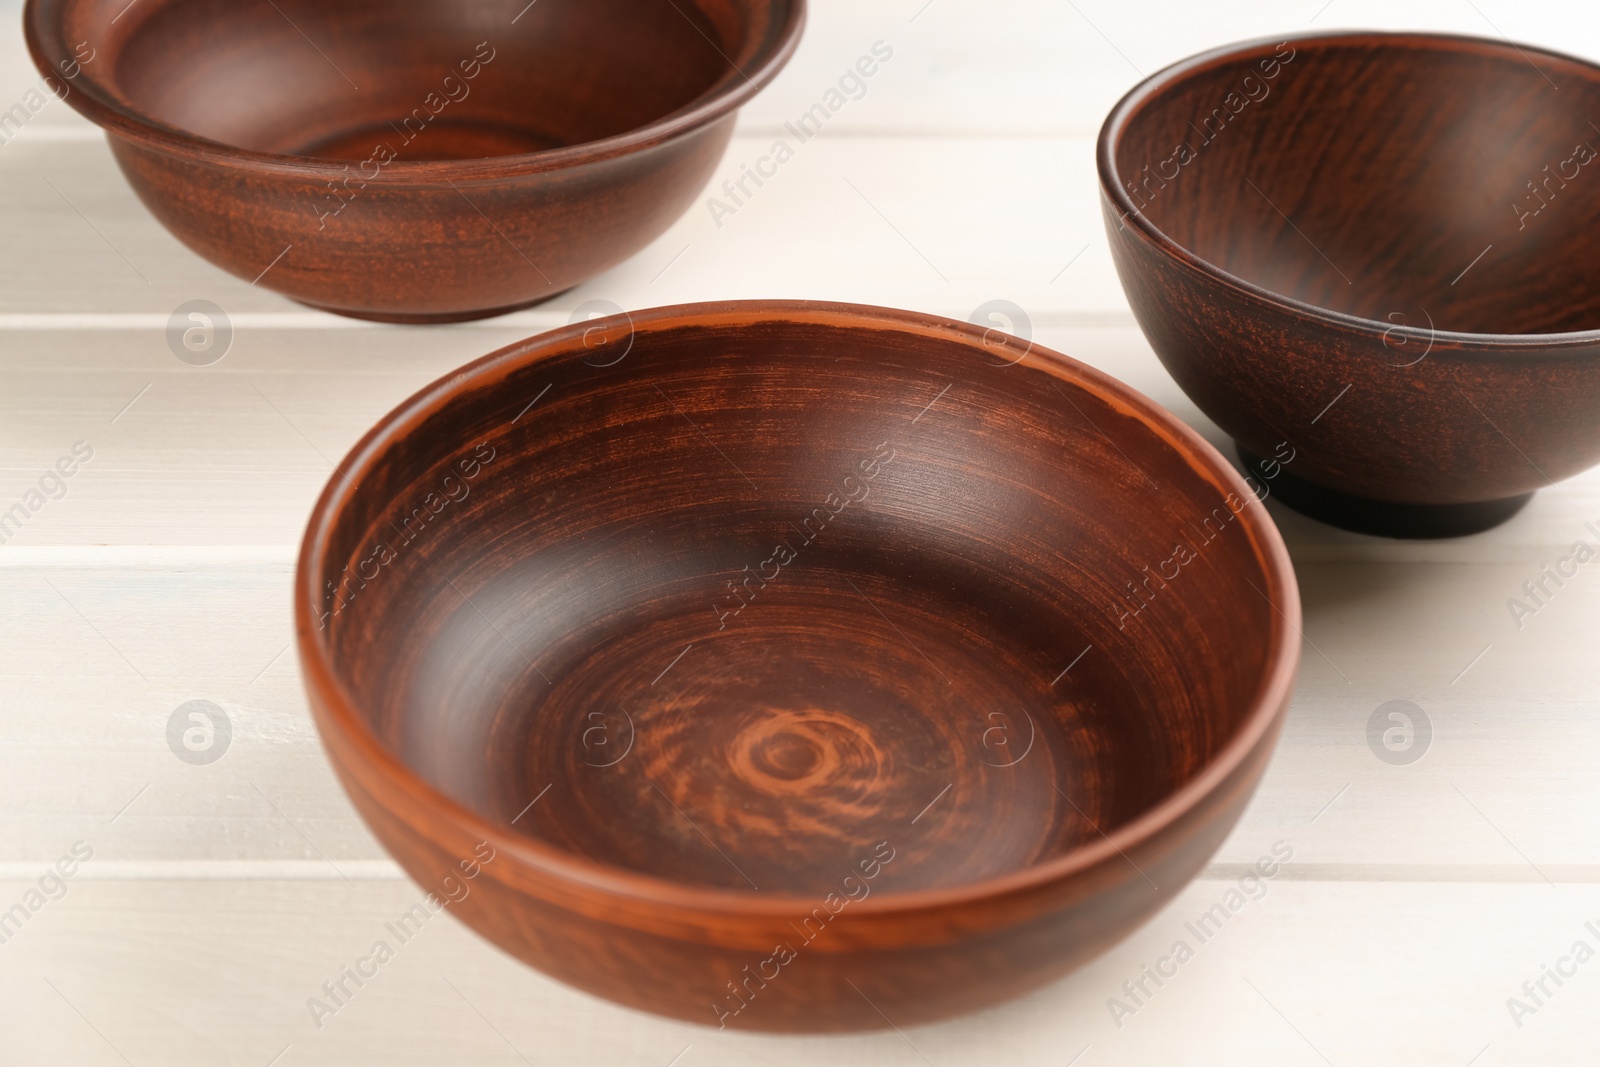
[[1380, 248], [796, 661], [415, 161]]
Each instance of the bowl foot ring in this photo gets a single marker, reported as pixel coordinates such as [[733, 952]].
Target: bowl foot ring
[[436, 318], [1384, 518]]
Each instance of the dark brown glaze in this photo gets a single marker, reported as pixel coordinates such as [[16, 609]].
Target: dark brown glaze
[[754, 629], [414, 161], [1404, 227]]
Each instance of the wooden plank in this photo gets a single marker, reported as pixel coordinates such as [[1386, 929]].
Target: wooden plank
[[847, 218], [1300, 974], [1508, 791], [235, 453]]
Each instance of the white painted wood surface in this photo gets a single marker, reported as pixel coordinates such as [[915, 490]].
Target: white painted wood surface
[[1419, 897]]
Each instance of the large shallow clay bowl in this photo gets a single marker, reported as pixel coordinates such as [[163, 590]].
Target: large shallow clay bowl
[[414, 160], [801, 666], [1380, 249]]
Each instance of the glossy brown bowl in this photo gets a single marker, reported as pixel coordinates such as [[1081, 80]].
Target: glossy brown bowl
[[412, 160], [801, 666], [1380, 248]]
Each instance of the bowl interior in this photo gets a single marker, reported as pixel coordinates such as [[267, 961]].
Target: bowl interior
[[745, 600], [1412, 180], [416, 79]]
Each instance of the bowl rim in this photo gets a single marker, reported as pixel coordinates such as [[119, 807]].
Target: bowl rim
[[334, 707], [1462, 346], [737, 85]]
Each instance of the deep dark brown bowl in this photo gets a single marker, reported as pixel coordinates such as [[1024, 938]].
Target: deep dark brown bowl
[[412, 160], [802, 666], [1381, 248]]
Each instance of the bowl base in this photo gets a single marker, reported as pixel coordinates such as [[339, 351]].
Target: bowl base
[[806, 737], [1383, 518], [435, 318]]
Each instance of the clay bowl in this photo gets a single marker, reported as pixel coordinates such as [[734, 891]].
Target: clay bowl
[[800, 666], [1379, 248], [410, 160]]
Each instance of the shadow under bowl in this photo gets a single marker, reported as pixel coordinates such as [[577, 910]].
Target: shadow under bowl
[[794, 666], [1372, 253], [413, 161]]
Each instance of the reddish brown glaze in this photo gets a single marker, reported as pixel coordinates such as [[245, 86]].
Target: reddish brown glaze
[[805, 666], [414, 161], [1404, 227]]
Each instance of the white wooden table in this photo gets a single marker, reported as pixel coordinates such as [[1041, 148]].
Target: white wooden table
[[220, 896]]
